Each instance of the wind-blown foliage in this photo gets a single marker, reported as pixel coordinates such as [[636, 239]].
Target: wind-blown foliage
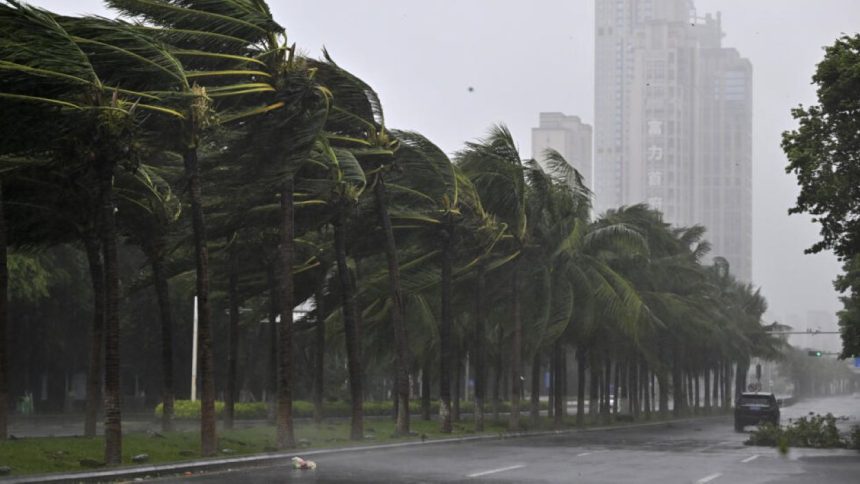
[[193, 132]]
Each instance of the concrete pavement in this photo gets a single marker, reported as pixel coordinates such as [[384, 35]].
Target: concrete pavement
[[704, 451]]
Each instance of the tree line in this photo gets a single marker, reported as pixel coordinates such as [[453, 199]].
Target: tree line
[[195, 135]]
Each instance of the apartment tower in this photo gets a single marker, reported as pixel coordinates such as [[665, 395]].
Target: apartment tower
[[569, 136], [673, 121]]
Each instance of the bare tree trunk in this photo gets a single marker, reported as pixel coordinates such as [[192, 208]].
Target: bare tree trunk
[[401, 342], [113, 392], [478, 350], [445, 335], [206, 361], [97, 341], [285, 434], [233, 354], [516, 352], [163, 295], [351, 332]]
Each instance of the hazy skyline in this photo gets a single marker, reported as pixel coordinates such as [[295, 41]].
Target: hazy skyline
[[522, 58]]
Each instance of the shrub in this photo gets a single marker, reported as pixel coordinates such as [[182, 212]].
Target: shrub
[[814, 431], [188, 410]]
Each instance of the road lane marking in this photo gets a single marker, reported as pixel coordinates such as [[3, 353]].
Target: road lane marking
[[708, 478], [750, 458], [583, 454], [496, 471]]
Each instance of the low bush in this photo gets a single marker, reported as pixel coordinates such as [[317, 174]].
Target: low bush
[[188, 410], [815, 431]]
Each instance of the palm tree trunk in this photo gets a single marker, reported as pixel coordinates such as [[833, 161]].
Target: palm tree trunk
[[633, 389], [163, 296], [716, 388], [697, 383], [727, 380], [113, 395], [458, 383], [206, 360], [616, 389], [445, 335], [516, 353], [97, 342], [401, 342], [535, 390], [606, 409], [233, 355], [4, 290], [581, 365], [425, 389], [499, 372], [594, 391], [663, 383], [707, 389], [271, 385], [350, 331], [677, 382], [478, 350], [559, 387], [646, 390], [285, 436], [319, 347]]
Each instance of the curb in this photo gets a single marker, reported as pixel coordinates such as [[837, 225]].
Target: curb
[[258, 460]]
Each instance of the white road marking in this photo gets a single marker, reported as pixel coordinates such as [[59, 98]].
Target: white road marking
[[750, 458], [496, 471], [708, 478], [583, 454]]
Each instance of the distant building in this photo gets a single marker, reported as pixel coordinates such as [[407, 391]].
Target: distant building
[[569, 136], [673, 121]]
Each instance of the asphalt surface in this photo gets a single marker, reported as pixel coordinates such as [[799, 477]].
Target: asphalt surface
[[702, 451]]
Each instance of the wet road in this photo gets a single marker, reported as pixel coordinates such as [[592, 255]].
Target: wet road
[[702, 451]]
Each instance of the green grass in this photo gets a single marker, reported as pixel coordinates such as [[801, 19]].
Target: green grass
[[55, 454]]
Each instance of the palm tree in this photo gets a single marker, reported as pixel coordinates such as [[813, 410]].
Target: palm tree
[[438, 203], [357, 123], [495, 167], [72, 64], [148, 211]]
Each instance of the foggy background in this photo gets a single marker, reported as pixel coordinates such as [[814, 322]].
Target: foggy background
[[522, 58]]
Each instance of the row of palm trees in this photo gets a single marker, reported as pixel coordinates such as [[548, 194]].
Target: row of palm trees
[[298, 191]]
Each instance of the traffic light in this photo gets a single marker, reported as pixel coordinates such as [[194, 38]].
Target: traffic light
[[816, 354]]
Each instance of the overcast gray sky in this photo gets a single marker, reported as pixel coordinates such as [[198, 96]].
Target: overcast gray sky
[[524, 57]]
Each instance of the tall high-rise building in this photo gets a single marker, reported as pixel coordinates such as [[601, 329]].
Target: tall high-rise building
[[569, 136], [673, 121]]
